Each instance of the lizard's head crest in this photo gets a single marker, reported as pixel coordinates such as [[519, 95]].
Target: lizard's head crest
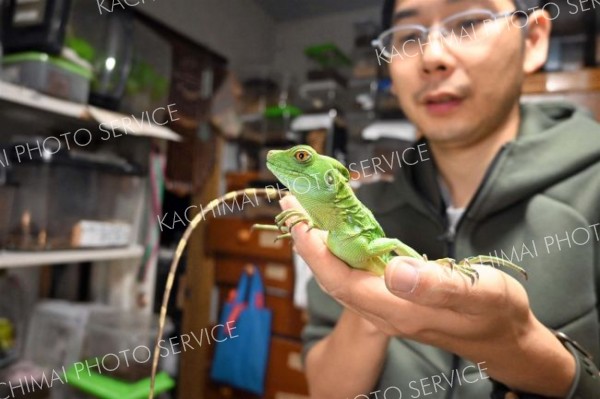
[[307, 173]]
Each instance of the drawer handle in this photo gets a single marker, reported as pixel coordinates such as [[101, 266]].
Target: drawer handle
[[294, 361], [244, 235]]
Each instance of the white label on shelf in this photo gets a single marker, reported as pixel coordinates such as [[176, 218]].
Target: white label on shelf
[[266, 239], [88, 233], [26, 17], [276, 271], [294, 361]]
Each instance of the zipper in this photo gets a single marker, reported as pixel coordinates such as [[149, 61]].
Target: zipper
[[450, 236], [484, 182]]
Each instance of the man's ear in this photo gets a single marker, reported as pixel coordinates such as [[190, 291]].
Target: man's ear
[[537, 41]]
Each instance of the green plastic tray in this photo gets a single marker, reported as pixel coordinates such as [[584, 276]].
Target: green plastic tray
[[104, 387]]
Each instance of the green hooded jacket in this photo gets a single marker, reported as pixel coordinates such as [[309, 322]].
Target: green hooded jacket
[[539, 205]]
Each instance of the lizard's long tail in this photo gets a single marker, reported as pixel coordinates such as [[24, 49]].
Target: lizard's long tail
[[270, 193]]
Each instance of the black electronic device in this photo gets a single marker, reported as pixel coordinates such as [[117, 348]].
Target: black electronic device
[[34, 25]]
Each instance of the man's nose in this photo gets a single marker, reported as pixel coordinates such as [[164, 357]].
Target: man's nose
[[436, 57]]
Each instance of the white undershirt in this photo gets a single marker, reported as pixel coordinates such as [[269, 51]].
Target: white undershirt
[[453, 214]]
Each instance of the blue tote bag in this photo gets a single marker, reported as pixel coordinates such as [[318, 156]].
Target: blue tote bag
[[241, 357]]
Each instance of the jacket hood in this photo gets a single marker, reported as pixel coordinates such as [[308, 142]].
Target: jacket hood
[[555, 141]]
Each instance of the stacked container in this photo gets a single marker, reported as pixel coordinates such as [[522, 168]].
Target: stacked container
[[74, 200]]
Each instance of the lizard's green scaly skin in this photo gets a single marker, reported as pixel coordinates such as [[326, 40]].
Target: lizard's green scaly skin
[[320, 183]]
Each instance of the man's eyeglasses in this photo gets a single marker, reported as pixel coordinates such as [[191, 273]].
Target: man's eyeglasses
[[461, 28]]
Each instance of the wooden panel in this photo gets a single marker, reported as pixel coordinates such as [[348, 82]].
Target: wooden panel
[[568, 81], [197, 300], [285, 375], [287, 321], [238, 181], [217, 391], [590, 101], [275, 275], [232, 236]]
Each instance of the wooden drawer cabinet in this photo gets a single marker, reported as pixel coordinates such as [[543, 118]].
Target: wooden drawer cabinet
[[233, 237], [233, 246]]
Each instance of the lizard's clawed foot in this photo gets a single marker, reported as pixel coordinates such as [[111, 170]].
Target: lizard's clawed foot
[[270, 227], [464, 267], [283, 236], [280, 223], [298, 216], [495, 262]]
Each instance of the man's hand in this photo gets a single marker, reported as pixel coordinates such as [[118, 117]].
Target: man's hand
[[489, 321]]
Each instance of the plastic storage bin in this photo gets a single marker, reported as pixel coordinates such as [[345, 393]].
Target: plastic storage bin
[[74, 200], [57, 330], [65, 334], [54, 76], [129, 336]]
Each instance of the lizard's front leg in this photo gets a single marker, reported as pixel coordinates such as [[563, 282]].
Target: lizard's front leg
[[382, 246]]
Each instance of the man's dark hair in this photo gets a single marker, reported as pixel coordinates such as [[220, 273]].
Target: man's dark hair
[[389, 5]]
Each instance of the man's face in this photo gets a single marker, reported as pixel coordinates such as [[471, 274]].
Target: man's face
[[456, 92]]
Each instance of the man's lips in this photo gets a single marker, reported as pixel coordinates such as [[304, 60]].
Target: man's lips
[[442, 103]]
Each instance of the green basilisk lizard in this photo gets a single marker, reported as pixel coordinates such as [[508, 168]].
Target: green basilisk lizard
[[321, 185]]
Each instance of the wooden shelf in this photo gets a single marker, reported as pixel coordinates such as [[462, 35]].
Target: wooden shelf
[[583, 80], [16, 259], [581, 87], [25, 109]]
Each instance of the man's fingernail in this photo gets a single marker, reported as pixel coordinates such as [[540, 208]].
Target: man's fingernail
[[403, 277]]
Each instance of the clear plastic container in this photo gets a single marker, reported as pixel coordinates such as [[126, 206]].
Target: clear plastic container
[[63, 333], [12, 322], [103, 40], [125, 341], [54, 76], [148, 83], [57, 331], [74, 200]]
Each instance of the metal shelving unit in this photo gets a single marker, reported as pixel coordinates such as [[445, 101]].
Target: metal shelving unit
[[25, 111], [15, 259]]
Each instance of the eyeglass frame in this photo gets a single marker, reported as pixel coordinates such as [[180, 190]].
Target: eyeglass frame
[[426, 31]]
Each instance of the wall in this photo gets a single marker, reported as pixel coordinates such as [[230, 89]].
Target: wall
[[237, 29], [294, 36], [249, 38]]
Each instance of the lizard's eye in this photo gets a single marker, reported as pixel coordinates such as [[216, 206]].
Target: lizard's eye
[[302, 156]]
